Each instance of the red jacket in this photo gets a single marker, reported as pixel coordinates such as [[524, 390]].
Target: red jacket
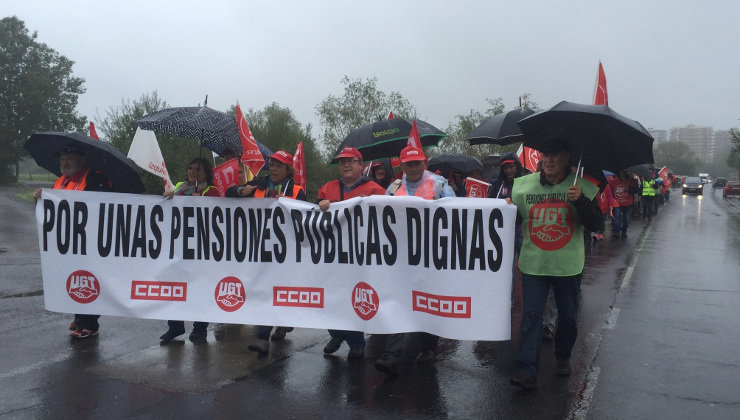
[[332, 190]]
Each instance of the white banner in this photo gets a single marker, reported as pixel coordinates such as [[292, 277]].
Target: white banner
[[375, 264]]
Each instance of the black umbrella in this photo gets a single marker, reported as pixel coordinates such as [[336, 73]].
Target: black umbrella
[[455, 162], [604, 138], [215, 130], [645, 170], [500, 129], [386, 138], [100, 155]]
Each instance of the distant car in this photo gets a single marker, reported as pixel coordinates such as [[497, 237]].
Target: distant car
[[719, 183], [731, 188], [693, 185]]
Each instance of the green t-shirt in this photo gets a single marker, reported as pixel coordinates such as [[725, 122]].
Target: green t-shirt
[[553, 234]]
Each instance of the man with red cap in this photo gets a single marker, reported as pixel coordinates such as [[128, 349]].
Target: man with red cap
[[418, 182], [351, 183], [279, 183]]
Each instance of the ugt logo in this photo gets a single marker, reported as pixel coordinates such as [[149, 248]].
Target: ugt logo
[[83, 286], [365, 301], [230, 294]]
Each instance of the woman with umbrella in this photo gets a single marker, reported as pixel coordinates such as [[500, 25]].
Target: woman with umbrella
[[77, 176], [279, 183], [381, 174], [198, 183]]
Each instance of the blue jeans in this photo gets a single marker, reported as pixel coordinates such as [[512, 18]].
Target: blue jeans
[[621, 219], [355, 339], [534, 291]]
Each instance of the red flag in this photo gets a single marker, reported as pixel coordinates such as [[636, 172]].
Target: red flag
[[93, 133], [414, 139], [528, 157], [226, 175], [390, 115], [600, 95], [299, 165], [476, 188], [251, 155]]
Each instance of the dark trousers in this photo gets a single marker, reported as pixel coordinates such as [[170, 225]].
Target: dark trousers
[[180, 325], [355, 339], [88, 322], [534, 292], [263, 332], [394, 343]]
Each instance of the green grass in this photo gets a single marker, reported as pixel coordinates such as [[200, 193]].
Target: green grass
[[26, 195]]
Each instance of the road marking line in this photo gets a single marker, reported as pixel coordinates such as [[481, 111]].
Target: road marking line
[[38, 365], [611, 320], [581, 408]]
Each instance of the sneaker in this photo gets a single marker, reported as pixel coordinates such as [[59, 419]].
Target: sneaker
[[524, 381], [562, 367], [260, 346], [83, 333], [171, 334], [279, 333], [387, 365], [199, 336], [624, 234], [547, 334], [332, 345], [356, 354], [426, 357]]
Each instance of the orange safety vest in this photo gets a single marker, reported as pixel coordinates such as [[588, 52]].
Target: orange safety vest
[[426, 189], [72, 184], [260, 193]]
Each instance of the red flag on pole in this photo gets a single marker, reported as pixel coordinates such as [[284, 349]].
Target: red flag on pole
[[414, 139], [476, 188], [299, 165], [600, 95], [528, 157], [93, 133], [226, 175], [251, 155], [390, 115]]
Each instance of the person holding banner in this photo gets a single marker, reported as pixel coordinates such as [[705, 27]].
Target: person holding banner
[[554, 207], [419, 182], [351, 183], [279, 183], [77, 176], [199, 182]]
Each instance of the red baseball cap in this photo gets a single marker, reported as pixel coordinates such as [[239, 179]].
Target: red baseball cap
[[349, 152], [377, 164], [504, 162], [283, 157], [410, 154]]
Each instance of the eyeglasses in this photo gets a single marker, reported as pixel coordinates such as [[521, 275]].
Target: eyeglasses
[[348, 161]]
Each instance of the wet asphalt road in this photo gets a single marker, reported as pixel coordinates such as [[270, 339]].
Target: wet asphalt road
[[657, 339]]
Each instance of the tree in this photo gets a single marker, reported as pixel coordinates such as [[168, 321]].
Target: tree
[[733, 159], [361, 104], [677, 156], [118, 128], [37, 92], [277, 128]]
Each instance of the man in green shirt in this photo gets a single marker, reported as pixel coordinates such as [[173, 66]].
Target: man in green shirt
[[553, 208]]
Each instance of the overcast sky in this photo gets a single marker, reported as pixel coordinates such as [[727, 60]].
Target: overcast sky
[[668, 63]]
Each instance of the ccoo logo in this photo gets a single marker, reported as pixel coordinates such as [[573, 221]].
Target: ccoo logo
[[365, 301], [230, 294], [83, 286]]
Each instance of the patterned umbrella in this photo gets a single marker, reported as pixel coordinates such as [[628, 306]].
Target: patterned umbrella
[[213, 129]]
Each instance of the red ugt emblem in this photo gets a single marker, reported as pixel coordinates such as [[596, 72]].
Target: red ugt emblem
[[83, 286], [365, 300], [230, 294]]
